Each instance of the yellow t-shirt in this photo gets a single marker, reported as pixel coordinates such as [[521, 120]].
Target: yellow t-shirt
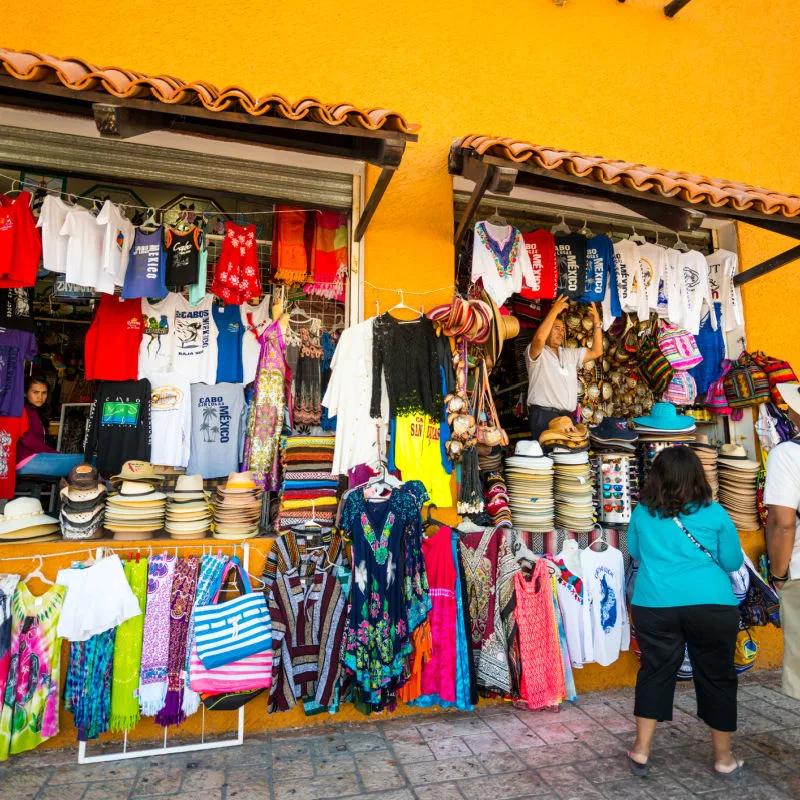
[[417, 454]]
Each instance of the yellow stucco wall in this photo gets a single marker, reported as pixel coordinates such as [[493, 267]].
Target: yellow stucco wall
[[713, 91]]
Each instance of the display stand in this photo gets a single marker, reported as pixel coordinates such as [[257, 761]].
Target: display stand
[[166, 749]]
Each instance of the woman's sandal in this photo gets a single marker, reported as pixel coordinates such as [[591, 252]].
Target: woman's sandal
[[735, 773], [639, 770]]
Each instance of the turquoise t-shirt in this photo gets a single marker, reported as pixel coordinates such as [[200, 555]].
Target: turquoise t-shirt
[[673, 571]]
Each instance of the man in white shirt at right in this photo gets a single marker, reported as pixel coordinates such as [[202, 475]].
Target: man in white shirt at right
[[782, 498]]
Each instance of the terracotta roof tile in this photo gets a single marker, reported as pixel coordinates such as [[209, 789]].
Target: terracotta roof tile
[[697, 189], [80, 75]]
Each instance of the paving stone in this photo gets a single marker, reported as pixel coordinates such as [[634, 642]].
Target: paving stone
[[449, 748], [456, 727], [665, 787], [315, 788], [159, 779], [667, 736], [236, 776], [399, 794], [514, 733], [379, 771], [453, 769], [629, 789], [438, 791], [750, 722], [334, 764], [257, 788], [72, 791], [501, 787], [550, 756], [583, 725], [569, 783], [286, 767], [545, 717], [195, 780], [82, 773], [602, 770], [22, 783], [211, 794], [364, 742], [409, 752], [776, 775], [600, 711], [484, 744], [772, 712], [603, 743], [555, 734], [502, 763], [406, 733], [107, 790], [769, 745], [791, 737], [773, 696]]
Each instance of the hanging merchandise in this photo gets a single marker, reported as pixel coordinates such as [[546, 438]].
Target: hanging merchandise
[[682, 390], [188, 510], [599, 265], [16, 309], [237, 508], [183, 256], [716, 397], [230, 332], [170, 419], [52, 215], [217, 429], [678, 346], [292, 233], [418, 454], [329, 256], [653, 265], [118, 235], [573, 606], [145, 275], [236, 274], [746, 384], [655, 368], [8, 585], [722, 267], [488, 431], [626, 268], [82, 504], [255, 320], [470, 496], [541, 247], [307, 394], [113, 340], [11, 430], [85, 246], [696, 297], [157, 346], [329, 343], [500, 260], [16, 347], [195, 340], [571, 260], [711, 344], [197, 290], [119, 424], [20, 243], [777, 372]]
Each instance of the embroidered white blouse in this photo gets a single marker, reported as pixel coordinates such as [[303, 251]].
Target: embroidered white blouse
[[500, 259]]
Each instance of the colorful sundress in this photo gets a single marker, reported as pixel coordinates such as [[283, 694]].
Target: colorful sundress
[[29, 713], [236, 276], [87, 693], [267, 410]]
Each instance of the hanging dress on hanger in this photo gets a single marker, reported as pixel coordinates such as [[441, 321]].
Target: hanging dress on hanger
[[267, 409]]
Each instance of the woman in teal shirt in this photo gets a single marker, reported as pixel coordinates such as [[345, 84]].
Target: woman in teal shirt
[[683, 598]]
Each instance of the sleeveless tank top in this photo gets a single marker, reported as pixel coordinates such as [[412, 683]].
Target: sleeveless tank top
[[183, 256], [146, 265]]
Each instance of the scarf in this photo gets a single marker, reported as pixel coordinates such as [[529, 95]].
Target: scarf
[[87, 693], [289, 250], [128, 655], [155, 637], [211, 570], [184, 585], [8, 583], [329, 256]]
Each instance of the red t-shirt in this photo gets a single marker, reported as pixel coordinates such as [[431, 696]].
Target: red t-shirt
[[113, 339], [541, 247], [11, 428], [20, 242]]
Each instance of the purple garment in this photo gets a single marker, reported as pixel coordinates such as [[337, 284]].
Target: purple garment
[[147, 265], [15, 348]]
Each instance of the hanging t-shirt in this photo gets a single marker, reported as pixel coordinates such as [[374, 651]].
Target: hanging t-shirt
[[626, 265], [218, 421], [111, 348], [669, 295], [722, 267], [183, 254], [52, 215], [695, 291], [599, 262], [20, 243], [16, 309], [571, 261], [170, 419], [197, 291], [146, 266], [230, 331], [500, 260], [653, 265], [417, 454], [84, 247], [255, 320], [157, 347], [611, 304], [118, 235], [15, 348], [119, 424], [604, 589], [195, 340], [541, 247], [11, 430]]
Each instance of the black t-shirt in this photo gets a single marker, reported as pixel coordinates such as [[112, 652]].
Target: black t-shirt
[[183, 256], [119, 424], [16, 309], [571, 258]]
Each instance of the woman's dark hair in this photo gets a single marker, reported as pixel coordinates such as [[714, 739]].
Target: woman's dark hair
[[44, 411], [676, 484], [32, 380]]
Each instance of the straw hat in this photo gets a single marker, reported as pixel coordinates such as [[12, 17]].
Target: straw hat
[[24, 518], [188, 487], [239, 482], [504, 326], [137, 471], [136, 492], [790, 392], [734, 455]]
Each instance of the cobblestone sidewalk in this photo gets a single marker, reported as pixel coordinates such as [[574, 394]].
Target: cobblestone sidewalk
[[493, 753]]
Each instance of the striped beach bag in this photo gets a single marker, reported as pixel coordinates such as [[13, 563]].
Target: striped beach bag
[[230, 631], [247, 674]]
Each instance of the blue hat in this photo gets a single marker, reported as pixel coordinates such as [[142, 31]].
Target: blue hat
[[665, 416]]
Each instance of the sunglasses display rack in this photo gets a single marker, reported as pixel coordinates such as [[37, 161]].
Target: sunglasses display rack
[[616, 487], [649, 450]]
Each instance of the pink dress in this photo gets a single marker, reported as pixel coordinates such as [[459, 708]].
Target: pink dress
[[267, 410], [542, 681], [439, 672]]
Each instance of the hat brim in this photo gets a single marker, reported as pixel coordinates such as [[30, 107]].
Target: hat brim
[[12, 525], [790, 393]]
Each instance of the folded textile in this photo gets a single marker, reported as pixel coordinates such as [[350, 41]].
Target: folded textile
[[323, 501], [290, 442], [293, 484], [310, 475], [308, 494]]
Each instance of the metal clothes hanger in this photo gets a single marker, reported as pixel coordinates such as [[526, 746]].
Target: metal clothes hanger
[[37, 573], [561, 227]]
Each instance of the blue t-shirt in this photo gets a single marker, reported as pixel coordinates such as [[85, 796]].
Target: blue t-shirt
[[673, 571], [230, 332], [147, 265], [599, 262]]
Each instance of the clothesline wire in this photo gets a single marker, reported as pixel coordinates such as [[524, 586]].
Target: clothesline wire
[[59, 193], [449, 288]]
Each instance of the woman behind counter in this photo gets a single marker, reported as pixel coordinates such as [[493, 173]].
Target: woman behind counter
[[683, 597]]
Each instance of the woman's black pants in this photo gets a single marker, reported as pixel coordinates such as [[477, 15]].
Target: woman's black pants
[[710, 632]]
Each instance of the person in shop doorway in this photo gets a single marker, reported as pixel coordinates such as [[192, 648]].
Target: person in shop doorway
[[682, 599], [34, 455], [553, 368], [782, 498]]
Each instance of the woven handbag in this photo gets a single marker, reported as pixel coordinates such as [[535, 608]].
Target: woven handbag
[[653, 366], [682, 390], [777, 371], [230, 631], [716, 400], [489, 432], [746, 384], [678, 346]]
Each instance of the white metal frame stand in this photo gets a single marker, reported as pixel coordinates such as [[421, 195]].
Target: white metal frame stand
[[167, 749]]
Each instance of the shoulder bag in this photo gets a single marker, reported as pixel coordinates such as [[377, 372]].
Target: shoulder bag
[[653, 365], [489, 433], [746, 384]]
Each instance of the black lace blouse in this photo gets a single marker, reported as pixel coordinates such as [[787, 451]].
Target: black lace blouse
[[405, 352]]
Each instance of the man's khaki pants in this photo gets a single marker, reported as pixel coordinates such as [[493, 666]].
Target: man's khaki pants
[[790, 622]]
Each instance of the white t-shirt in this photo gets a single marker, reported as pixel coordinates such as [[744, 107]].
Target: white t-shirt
[[696, 292], [782, 488], [195, 354], [652, 268], [577, 623], [722, 267], [52, 215], [604, 589], [84, 247], [626, 267], [553, 377], [499, 284], [669, 297], [170, 419], [157, 350], [254, 319], [118, 232]]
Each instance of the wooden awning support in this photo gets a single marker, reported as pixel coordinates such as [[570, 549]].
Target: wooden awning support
[[392, 154]]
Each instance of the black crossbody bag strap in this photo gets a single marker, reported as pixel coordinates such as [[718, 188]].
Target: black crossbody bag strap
[[694, 541]]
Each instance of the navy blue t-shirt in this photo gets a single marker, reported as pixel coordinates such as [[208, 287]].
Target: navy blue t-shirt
[[599, 262], [230, 332], [146, 266]]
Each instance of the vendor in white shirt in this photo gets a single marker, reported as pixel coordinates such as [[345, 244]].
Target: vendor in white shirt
[[553, 368]]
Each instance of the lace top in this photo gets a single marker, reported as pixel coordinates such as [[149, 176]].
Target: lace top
[[406, 354]]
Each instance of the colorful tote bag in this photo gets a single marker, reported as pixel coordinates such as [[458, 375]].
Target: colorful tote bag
[[746, 384], [653, 366], [682, 390], [678, 346], [777, 371]]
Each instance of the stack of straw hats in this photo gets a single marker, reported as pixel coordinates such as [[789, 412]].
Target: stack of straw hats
[[564, 435], [188, 509], [529, 477], [707, 453], [83, 502], [572, 491], [237, 508], [24, 520], [738, 476], [136, 511]]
